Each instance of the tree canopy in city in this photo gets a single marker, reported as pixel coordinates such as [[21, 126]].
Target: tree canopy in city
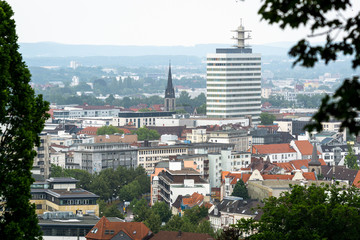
[[267, 118], [240, 190], [341, 33], [22, 118], [108, 130], [147, 134], [313, 212]]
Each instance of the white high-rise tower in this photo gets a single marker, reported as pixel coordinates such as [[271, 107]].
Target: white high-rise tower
[[234, 81]]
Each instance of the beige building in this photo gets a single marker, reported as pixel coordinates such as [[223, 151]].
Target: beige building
[[265, 92], [42, 159], [238, 137], [197, 136], [147, 157], [124, 138], [61, 194]]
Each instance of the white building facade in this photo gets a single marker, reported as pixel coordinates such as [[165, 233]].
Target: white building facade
[[234, 82]]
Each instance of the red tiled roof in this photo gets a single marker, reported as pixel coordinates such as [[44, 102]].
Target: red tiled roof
[[297, 164], [277, 176], [126, 131], [195, 199], [272, 148], [356, 182], [135, 230], [237, 176], [309, 176], [305, 147], [88, 131]]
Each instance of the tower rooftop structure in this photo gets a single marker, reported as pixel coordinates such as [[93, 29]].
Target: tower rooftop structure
[[240, 46]]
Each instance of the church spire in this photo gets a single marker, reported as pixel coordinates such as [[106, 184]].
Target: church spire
[[314, 158], [169, 92]]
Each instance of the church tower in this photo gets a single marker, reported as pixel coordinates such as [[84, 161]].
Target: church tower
[[169, 104], [314, 164]]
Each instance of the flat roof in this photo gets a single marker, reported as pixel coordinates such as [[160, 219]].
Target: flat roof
[[145, 114]]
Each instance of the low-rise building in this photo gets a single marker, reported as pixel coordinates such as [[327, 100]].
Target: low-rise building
[[94, 157], [139, 119], [61, 194], [232, 209]]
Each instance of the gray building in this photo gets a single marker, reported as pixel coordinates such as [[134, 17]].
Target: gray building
[[93, 157]]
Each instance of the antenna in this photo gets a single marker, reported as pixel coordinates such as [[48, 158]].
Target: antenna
[[240, 38]]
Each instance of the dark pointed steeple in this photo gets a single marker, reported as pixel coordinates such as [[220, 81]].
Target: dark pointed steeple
[[169, 92], [314, 158]]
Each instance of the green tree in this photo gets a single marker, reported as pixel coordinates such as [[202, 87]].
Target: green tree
[[195, 214], [130, 191], [267, 118], [140, 209], [184, 99], [57, 171], [102, 206], [351, 159], [341, 38], [162, 209], [22, 117], [174, 224], [205, 227], [201, 109], [147, 134], [321, 210], [153, 222], [108, 130], [112, 211], [110, 99], [240, 190]]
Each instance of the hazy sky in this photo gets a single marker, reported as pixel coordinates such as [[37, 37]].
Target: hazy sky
[[142, 22]]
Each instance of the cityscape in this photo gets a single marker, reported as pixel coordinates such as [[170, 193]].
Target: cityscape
[[165, 141]]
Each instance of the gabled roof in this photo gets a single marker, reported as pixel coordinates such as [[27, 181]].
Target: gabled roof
[[309, 176], [238, 206], [104, 228], [277, 176], [356, 182], [235, 177], [195, 199], [305, 147], [273, 148], [297, 164], [89, 131]]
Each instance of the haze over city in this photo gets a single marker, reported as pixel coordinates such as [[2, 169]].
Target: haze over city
[[142, 22]]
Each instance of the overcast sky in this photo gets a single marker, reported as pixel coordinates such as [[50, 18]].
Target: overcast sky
[[143, 22]]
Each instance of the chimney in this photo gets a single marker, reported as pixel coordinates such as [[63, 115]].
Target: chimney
[[179, 234]]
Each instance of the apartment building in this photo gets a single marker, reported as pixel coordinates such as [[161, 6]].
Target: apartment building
[[176, 181], [239, 138]]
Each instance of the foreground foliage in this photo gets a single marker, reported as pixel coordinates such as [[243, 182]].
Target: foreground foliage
[[314, 212], [341, 34], [22, 117]]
